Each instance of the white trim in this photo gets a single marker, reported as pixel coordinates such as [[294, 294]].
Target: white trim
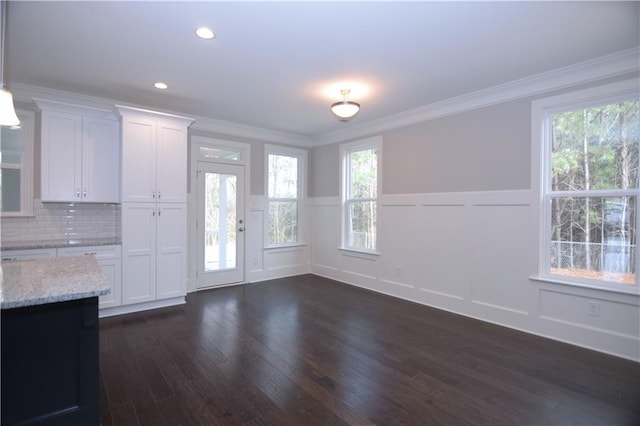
[[139, 307], [556, 279], [194, 143], [607, 66], [27, 165], [247, 131], [128, 111]]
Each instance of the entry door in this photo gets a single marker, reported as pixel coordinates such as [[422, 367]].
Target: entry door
[[220, 224]]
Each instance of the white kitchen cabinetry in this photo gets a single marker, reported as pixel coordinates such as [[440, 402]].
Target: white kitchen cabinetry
[[28, 254], [109, 260], [154, 251], [154, 157], [154, 196], [80, 155]]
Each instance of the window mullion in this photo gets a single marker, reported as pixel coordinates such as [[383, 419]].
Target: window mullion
[[595, 193]]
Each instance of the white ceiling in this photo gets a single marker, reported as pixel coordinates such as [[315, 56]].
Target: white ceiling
[[271, 61]]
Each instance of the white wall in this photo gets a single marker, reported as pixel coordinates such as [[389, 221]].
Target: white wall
[[470, 253]]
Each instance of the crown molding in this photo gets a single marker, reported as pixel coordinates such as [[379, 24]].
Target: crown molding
[[252, 132], [27, 93], [607, 66]]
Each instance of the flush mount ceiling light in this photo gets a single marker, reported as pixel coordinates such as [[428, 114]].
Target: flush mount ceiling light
[[205, 33], [8, 115], [345, 109], [160, 85]]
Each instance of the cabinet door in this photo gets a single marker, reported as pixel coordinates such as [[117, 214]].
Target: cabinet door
[[171, 250], [61, 156], [112, 270], [172, 162], [138, 252], [138, 159], [100, 161], [109, 259]]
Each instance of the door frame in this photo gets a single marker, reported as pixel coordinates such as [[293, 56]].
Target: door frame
[[195, 143]]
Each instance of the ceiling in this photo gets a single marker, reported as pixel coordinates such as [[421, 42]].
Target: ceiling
[[272, 62]]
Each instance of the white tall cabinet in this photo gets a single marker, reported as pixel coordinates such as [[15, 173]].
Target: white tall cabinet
[[154, 209]]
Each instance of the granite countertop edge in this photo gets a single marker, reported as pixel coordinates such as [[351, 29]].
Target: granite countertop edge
[[27, 245], [43, 281], [51, 299]]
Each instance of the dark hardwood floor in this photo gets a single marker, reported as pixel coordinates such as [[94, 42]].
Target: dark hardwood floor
[[310, 351]]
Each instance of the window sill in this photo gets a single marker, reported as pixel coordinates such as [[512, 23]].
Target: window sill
[[632, 289], [284, 246], [362, 252], [12, 215]]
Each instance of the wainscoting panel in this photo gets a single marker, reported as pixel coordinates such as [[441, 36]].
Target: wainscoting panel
[[445, 252], [325, 231], [255, 238], [590, 313], [401, 240], [470, 253], [499, 246]]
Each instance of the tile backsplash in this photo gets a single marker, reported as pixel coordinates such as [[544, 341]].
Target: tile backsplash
[[63, 221]]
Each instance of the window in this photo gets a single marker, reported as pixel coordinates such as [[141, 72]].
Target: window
[[285, 171], [589, 187], [16, 162], [360, 183]]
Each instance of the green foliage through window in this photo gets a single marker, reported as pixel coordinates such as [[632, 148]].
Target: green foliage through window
[[593, 187], [362, 192], [283, 192]]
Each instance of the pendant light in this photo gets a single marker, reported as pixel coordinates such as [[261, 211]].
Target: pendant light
[[8, 115], [345, 109]]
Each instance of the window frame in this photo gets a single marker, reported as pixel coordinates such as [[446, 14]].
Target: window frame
[[541, 112], [27, 170], [345, 151], [301, 155]]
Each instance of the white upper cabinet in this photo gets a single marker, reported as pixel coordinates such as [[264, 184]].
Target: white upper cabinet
[[154, 156], [80, 156]]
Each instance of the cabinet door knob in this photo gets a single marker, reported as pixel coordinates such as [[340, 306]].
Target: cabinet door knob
[[153, 194], [84, 193], [159, 194], [78, 192]]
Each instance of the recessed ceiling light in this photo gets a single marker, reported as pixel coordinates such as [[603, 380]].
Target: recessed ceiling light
[[205, 33], [160, 85]]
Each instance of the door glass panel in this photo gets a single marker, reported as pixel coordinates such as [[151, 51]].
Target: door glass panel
[[220, 222], [224, 154]]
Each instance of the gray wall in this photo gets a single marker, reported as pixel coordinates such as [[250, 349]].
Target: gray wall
[[487, 149], [484, 149], [324, 171]]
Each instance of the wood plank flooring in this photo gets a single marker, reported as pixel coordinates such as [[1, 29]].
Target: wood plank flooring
[[311, 351]]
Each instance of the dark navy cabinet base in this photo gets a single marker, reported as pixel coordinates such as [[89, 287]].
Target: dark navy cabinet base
[[50, 364]]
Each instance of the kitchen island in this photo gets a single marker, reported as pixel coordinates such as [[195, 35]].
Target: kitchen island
[[50, 358]]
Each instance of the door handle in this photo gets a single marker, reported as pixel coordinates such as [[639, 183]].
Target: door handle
[[240, 229]]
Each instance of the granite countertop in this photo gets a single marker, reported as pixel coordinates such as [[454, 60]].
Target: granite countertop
[[24, 245], [41, 281]]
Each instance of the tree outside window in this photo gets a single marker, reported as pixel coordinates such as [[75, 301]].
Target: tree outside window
[[284, 193], [360, 195]]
